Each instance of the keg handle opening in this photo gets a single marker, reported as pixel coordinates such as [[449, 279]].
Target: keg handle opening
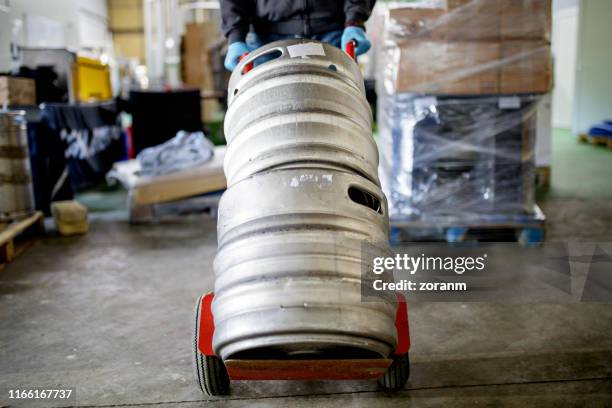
[[259, 58], [365, 198]]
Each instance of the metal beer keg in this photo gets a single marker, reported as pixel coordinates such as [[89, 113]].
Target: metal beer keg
[[288, 270], [297, 109], [303, 195]]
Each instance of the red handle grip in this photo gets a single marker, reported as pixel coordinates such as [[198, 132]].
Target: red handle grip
[[247, 67], [350, 48]]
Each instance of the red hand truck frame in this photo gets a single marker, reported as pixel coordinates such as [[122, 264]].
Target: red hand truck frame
[[214, 375]]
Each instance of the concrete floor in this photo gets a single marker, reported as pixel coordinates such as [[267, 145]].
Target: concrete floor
[[110, 313]]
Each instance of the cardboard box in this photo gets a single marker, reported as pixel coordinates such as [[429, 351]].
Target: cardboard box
[[526, 67], [516, 19], [198, 38], [474, 68], [197, 66], [415, 22], [17, 91], [473, 47], [448, 68], [475, 20], [526, 20], [70, 217]]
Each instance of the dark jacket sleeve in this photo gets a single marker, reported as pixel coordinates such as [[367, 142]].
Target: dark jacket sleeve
[[358, 10], [235, 18]]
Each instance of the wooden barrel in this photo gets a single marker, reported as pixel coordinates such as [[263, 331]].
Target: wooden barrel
[[16, 196]]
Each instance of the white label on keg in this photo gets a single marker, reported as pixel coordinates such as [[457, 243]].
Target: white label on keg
[[305, 49]]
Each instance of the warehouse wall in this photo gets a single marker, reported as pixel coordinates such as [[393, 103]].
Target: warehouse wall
[[593, 94], [5, 40], [58, 23], [127, 27], [564, 37]]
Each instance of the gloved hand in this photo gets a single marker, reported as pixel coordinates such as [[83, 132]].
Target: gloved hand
[[358, 35], [234, 52]]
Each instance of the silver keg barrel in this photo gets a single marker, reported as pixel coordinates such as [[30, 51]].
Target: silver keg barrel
[[288, 270], [300, 198], [16, 196], [303, 196], [307, 104]]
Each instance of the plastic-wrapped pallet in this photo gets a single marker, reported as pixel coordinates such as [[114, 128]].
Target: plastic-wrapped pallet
[[449, 158], [458, 90]]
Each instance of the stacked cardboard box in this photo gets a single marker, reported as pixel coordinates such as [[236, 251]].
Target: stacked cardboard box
[[197, 64], [473, 47], [15, 91]]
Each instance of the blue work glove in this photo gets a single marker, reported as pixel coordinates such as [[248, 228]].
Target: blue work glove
[[358, 35], [234, 52]]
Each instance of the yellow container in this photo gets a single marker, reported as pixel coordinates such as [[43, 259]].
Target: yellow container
[[92, 80]]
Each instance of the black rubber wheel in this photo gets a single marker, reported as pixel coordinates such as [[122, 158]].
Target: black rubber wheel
[[210, 372], [397, 374]]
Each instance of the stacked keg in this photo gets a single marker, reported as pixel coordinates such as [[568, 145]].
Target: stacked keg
[[303, 195], [16, 197]]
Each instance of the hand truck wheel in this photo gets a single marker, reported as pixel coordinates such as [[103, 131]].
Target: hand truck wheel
[[210, 372], [397, 374]]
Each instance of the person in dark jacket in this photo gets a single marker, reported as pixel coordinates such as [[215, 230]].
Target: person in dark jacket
[[249, 24]]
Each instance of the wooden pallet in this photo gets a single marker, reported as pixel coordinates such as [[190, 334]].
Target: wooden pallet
[[151, 213], [596, 140], [18, 235], [528, 230]]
